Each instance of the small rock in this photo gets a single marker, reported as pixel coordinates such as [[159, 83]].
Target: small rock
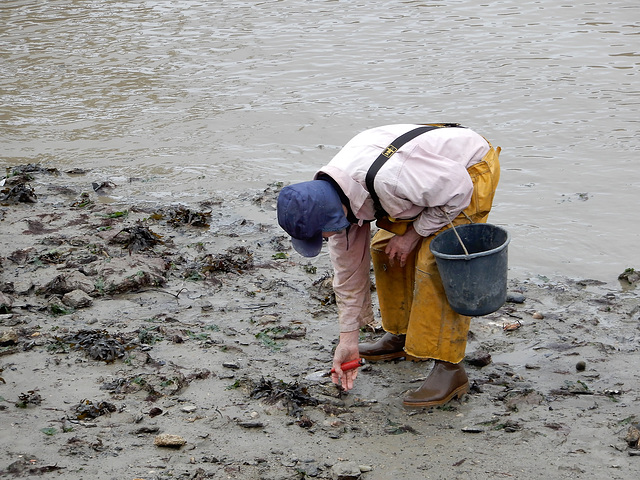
[[189, 408], [581, 366], [231, 365], [77, 299], [146, 430], [515, 298], [538, 315], [472, 430], [631, 275], [69, 282], [5, 303], [633, 435], [10, 337], [479, 358], [155, 411], [309, 468], [168, 440], [10, 320], [365, 468], [345, 471], [205, 305], [250, 424]]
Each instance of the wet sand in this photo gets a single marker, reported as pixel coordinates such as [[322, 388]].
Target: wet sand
[[126, 323]]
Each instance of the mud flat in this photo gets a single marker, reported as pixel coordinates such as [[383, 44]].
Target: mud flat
[[156, 341]]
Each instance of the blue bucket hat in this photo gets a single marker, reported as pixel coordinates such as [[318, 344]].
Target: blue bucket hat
[[307, 209]]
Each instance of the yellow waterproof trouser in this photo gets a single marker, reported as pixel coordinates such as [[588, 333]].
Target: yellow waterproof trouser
[[412, 298]]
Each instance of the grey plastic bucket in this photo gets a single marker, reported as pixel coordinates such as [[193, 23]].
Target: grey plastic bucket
[[475, 284]]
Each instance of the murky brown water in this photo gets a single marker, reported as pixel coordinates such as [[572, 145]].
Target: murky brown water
[[200, 97]]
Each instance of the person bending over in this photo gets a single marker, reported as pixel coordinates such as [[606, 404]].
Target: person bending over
[[414, 181]]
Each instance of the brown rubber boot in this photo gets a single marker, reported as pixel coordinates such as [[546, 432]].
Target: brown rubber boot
[[445, 382], [388, 347]]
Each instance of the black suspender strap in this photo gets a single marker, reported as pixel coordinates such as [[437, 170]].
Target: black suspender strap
[[387, 153]]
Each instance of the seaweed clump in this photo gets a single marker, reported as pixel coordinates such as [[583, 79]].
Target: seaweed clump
[[292, 396], [88, 409], [21, 192], [139, 238], [236, 259], [98, 344]]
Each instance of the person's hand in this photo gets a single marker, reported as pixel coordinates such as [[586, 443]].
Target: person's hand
[[400, 246], [346, 351]]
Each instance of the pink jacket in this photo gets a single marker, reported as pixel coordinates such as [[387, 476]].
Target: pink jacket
[[424, 178]]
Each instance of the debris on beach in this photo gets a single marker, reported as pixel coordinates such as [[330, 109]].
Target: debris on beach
[[630, 276], [19, 193], [633, 435], [235, 259], [137, 238], [98, 344], [169, 440], [32, 397], [177, 216], [87, 409], [292, 396]]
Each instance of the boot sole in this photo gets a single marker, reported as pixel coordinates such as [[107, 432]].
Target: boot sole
[[458, 392], [390, 356]]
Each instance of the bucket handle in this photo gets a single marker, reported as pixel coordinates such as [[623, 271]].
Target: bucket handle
[[466, 252]]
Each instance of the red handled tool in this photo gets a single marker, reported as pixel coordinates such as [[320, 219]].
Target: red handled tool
[[350, 365]]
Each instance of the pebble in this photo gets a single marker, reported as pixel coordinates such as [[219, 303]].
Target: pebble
[[205, 305], [10, 337], [168, 440], [479, 358], [250, 424], [345, 471], [581, 366], [538, 315], [189, 408], [77, 299], [515, 298], [472, 430]]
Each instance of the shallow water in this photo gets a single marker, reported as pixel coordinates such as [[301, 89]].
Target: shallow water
[[203, 97]]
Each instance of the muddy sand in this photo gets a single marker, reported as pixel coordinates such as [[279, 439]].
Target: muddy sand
[[154, 341]]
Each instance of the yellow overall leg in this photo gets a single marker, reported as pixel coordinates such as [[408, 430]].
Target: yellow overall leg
[[412, 299]]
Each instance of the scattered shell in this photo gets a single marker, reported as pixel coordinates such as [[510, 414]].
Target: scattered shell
[[510, 327]]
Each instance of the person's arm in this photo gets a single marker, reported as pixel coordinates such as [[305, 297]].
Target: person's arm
[[351, 283]]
